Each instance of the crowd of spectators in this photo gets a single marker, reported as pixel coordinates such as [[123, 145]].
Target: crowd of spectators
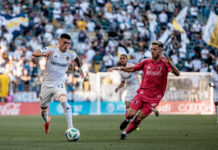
[[101, 30]]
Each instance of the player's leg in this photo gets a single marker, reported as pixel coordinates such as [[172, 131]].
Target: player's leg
[[156, 112], [135, 105], [129, 115], [61, 94], [67, 109], [133, 125], [144, 112], [44, 114], [45, 97]]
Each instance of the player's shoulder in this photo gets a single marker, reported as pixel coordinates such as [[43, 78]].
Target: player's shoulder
[[130, 65], [146, 60], [71, 52], [51, 47]]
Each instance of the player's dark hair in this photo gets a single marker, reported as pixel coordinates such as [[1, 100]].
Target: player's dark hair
[[65, 36], [160, 44], [124, 55]]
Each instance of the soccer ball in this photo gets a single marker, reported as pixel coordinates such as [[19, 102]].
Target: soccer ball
[[72, 134]]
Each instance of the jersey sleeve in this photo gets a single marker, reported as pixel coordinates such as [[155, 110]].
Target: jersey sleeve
[[73, 54], [140, 65], [121, 77], [46, 49]]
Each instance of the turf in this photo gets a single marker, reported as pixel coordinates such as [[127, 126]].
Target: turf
[[168, 132]]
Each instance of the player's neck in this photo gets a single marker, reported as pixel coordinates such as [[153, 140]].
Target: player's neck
[[157, 58], [124, 65]]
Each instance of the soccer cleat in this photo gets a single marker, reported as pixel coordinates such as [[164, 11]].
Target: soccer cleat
[[156, 112], [122, 137], [124, 124], [47, 127]]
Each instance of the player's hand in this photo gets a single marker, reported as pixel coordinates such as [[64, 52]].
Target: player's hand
[[110, 69], [116, 90], [115, 68], [167, 59], [49, 53]]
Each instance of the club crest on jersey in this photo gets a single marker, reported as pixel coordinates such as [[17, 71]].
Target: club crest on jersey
[[159, 68], [67, 58]]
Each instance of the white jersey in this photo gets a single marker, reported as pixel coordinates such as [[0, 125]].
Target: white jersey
[[130, 78], [214, 80], [56, 65]]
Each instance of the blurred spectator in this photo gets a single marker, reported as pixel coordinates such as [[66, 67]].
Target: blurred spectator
[[100, 31], [194, 11], [25, 78]]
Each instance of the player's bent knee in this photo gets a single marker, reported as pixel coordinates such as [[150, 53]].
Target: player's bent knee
[[44, 108], [62, 98], [131, 114]]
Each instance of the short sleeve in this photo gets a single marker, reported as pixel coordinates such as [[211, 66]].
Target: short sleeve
[[73, 54], [140, 65], [45, 49], [121, 77]]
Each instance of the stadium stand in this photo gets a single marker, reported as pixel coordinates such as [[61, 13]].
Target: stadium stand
[[101, 29]]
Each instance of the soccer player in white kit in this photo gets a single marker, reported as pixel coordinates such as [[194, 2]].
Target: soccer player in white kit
[[58, 59], [214, 83], [132, 81]]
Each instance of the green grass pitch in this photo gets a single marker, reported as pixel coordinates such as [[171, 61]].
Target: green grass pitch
[[167, 132]]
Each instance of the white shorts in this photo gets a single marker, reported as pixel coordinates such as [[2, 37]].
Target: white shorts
[[130, 94], [47, 93]]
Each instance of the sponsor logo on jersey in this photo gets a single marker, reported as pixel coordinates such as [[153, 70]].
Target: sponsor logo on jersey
[[159, 68], [58, 64], [149, 67], [153, 73]]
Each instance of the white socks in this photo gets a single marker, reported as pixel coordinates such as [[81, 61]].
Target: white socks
[[68, 113], [124, 132], [44, 114]]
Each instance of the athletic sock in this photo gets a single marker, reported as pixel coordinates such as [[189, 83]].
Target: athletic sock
[[44, 114], [68, 113], [124, 132], [133, 125]]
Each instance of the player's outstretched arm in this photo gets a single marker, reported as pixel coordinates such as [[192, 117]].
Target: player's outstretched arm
[[125, 69], [175, 71], [38, 53]]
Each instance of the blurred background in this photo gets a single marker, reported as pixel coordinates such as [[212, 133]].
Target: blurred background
[[100, 31]]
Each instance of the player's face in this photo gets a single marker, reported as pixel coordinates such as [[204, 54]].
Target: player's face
[[123, 60], [64, 44], [156, 52]]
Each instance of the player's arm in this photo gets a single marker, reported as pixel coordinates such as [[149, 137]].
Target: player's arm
[[39, 53], [175, 70], [122, 83], [79, 64], [125, 69]]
